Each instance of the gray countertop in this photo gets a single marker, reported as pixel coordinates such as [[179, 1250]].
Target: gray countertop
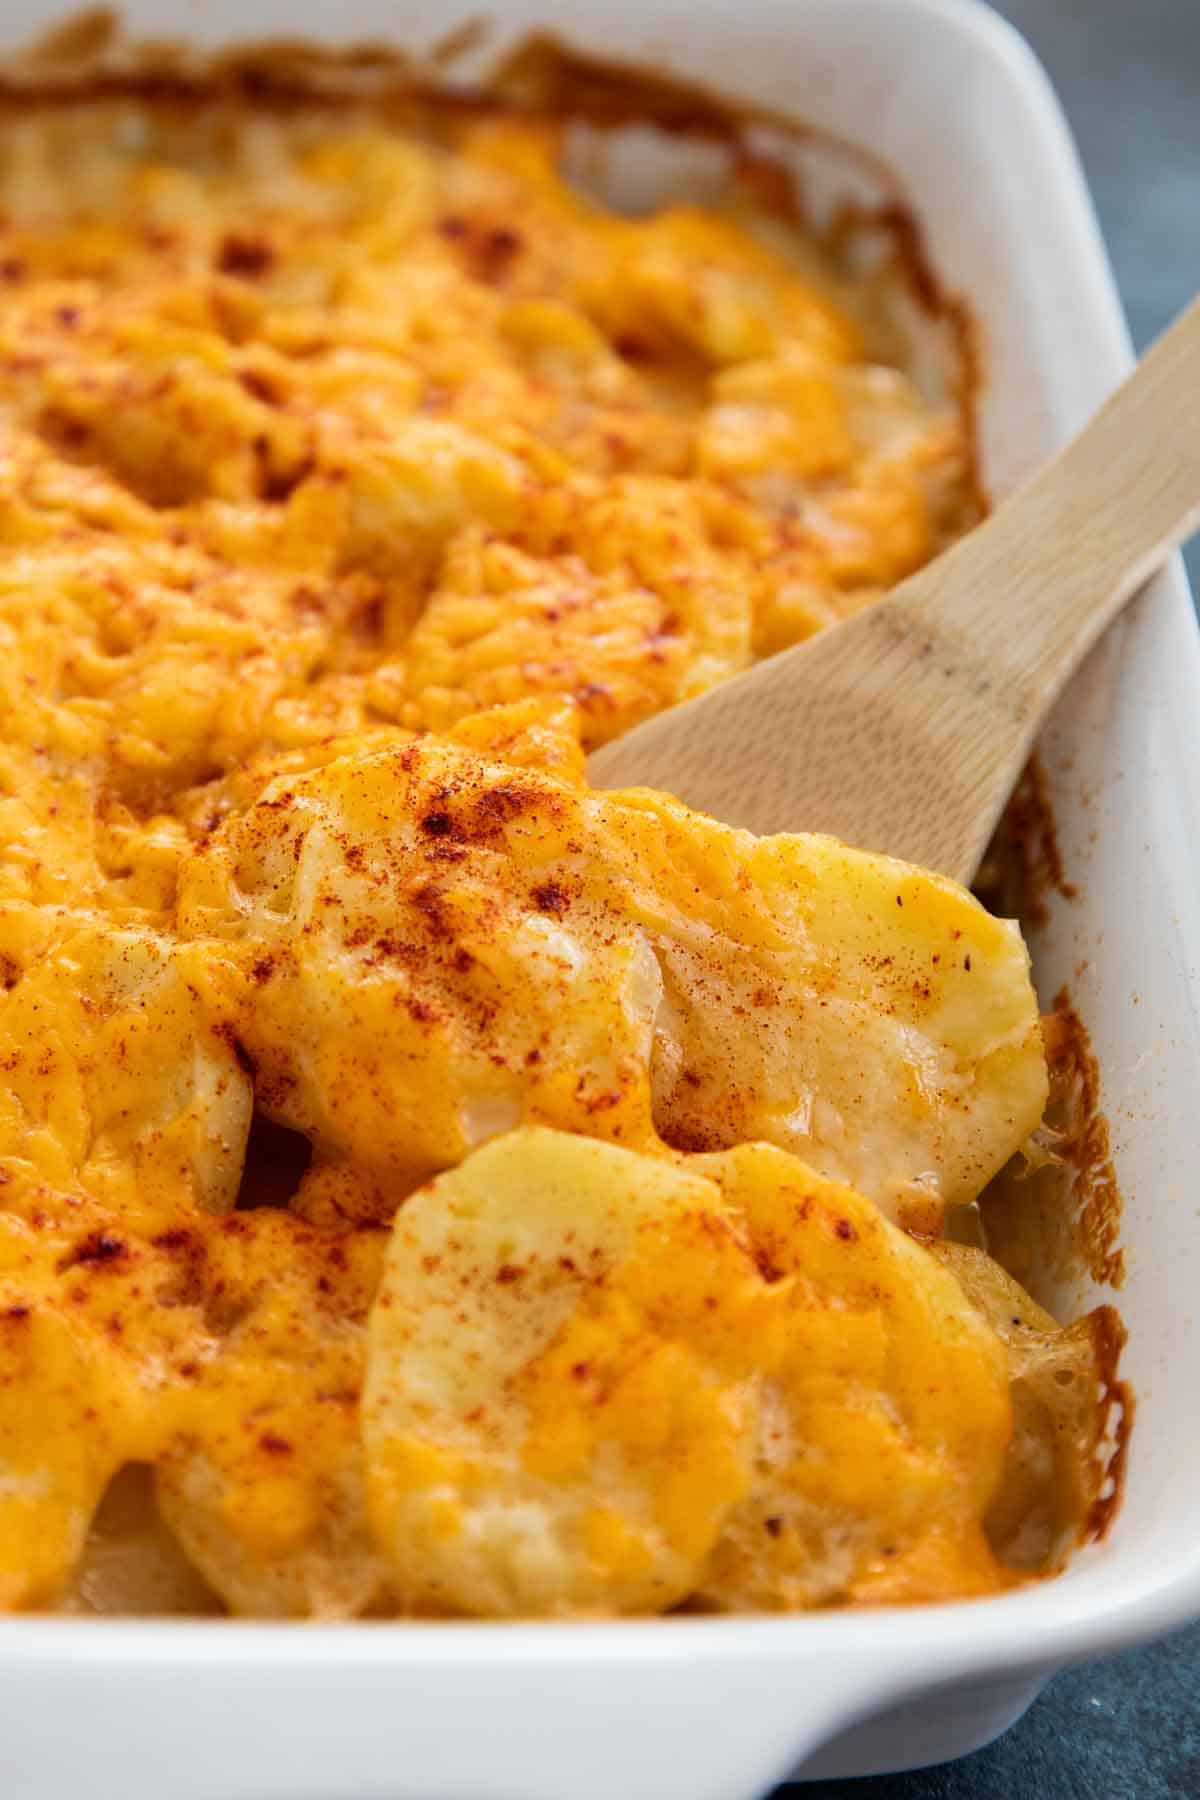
[[1128, 73]]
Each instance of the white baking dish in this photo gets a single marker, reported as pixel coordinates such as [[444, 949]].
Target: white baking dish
[[719, 1709]]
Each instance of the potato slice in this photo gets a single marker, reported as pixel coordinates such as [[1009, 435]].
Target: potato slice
[[131, 1564], [1055, 1468], [59, 1438], [425, 947], [261, 1478], [558, 1396], [867, 1015], [226, 1353], [599, 1381], [115, 1079], [272, 1546], [884, 1415]]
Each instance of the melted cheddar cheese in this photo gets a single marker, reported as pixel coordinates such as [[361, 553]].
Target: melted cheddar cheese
[[421, 947], [356, 478], [598, 1381]]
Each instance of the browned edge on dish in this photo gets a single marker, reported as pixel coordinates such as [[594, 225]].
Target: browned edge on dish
[[1024, 863], [1057, 1208], [1086, 1146], [1117, 1414]]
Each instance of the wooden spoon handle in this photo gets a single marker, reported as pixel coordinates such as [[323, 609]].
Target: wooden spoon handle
[[1033, 587]]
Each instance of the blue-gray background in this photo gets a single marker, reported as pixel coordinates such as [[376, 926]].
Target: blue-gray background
[[1128, 74]]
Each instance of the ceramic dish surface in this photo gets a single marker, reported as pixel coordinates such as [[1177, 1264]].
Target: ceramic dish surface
[[950, 101]]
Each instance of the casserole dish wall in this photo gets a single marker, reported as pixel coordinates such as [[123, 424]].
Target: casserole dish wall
[[718, 1709]]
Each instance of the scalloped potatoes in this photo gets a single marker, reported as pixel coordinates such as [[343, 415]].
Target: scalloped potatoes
[[356, 476]]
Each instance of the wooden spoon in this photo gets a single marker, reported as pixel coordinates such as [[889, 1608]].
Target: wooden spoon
[[905, 728]]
